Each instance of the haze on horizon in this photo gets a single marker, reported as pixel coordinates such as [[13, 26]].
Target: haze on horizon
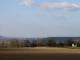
[[40, 18]]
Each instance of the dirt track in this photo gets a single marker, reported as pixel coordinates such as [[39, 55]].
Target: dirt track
[[39, 56]]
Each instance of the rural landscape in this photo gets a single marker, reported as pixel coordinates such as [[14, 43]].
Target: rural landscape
[[40, 48], [39, 29]]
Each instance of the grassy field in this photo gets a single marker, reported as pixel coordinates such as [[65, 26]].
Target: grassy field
[[39, 50]]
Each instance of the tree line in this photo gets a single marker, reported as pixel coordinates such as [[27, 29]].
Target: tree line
[[45, 42]]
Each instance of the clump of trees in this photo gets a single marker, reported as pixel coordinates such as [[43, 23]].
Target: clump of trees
[[44, 42]]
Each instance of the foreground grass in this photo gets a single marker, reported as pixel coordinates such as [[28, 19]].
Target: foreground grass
[[39, 50]]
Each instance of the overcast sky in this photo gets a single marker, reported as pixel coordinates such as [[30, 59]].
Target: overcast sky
[[40, 18]]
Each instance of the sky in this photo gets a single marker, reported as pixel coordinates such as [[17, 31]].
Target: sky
[[40, 18]]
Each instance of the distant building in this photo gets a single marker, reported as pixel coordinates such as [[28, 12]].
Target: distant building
[[76, 43]]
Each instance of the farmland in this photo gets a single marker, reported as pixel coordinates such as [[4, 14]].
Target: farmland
[[41, 53], [39, 50]]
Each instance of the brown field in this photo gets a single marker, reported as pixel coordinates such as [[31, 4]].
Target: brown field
[[39, 54], [39, 50]]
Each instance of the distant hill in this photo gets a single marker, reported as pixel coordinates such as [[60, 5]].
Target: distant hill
[[67, 38], [3, 38], [55, 38], [63, 38]]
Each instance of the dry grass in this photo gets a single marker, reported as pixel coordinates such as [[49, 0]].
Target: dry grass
[[39, 50]]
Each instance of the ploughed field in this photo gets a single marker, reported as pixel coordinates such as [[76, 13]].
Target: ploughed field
[[39, 54]]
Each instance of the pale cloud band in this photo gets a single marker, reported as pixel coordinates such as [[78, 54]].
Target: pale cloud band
[[51, 5]]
